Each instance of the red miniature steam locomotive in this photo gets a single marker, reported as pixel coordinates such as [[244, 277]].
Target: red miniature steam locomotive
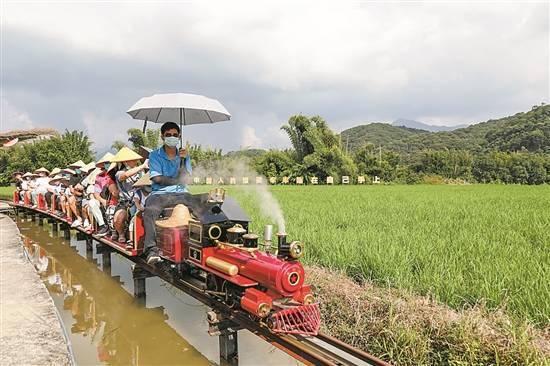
[[214, 244]]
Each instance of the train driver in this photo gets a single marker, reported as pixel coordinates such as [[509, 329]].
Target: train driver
[[167, 166]]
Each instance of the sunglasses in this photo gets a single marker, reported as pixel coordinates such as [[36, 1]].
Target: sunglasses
[[171, 135]]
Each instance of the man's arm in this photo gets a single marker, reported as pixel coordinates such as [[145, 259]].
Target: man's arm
[[165, 181]]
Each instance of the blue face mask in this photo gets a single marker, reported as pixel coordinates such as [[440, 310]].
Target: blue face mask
[[78, 171], [172, 141], [106, 166]]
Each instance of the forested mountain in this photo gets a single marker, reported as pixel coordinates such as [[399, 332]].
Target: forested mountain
[[400, 122], [377, 134], [528, 131]]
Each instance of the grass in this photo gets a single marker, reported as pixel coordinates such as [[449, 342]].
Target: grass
[[462, 245], [6, 193]]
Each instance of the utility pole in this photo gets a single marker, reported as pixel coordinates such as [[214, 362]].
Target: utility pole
[[380, 155]]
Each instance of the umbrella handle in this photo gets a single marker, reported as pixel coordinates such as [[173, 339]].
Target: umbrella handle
[[144, 125]]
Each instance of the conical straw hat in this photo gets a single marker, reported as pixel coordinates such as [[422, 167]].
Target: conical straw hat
[[68, 170], [55, 171], [28, 174], [90, 179], [125, 154], [77, 164], [145, 180], [105, 158], [58, 177], [180, 217], [86, 168], [42, 170]]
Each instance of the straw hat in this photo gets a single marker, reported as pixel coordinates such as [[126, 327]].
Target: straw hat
[[77, 164], [145, 180], [58, 177], [105, 158], [42, 170], [180, 217], [28, 174], [90, 179], [125, 154], [55, 171], [68, 170], [15, 173], [86, 168]]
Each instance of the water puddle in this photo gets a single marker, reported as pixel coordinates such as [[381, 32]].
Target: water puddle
[[106, 325]]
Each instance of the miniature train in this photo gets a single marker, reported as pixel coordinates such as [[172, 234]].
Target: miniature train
[[215, 246]]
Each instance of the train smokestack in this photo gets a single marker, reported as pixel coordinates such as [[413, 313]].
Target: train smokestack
[[281, 243], [268, 233]]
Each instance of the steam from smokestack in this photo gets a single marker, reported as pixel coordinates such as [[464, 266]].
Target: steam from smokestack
[[269, 206]]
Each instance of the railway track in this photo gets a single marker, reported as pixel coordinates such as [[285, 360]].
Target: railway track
[[319, 350]]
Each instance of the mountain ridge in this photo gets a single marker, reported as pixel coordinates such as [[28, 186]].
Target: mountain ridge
[[403, 122], [522, 131]]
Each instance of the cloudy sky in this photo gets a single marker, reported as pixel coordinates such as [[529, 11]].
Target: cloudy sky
[[80, 66]]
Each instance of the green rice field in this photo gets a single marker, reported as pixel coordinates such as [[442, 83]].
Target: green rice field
[[460, 244]]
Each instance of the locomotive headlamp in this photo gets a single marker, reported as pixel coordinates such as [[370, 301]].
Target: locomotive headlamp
[[214, 232], [296, 249], [263, 310]]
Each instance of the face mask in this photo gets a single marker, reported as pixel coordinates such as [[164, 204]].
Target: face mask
[[106, 166], [78, 171], [146, 189], [172, 141]]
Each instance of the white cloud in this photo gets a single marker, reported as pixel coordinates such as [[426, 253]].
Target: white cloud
[[249, 138], [104, 131], [351, 62], [13, 119]]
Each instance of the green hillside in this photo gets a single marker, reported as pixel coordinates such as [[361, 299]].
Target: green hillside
[[377, 134], [523, 131]]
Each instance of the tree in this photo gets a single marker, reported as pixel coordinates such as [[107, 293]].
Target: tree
[[58, 151]]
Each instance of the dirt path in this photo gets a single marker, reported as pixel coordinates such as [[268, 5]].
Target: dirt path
[[30, 331]]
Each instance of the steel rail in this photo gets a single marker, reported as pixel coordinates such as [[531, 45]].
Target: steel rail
[[301, 348]]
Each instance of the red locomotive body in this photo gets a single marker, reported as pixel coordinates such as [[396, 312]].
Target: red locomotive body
[[280, 277]]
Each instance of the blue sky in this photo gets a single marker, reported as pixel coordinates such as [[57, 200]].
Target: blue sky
[[80, 66]]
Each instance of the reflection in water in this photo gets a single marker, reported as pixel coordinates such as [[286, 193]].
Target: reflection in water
[[105, 316]]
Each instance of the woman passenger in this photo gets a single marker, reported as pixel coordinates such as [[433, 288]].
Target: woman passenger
[[129, 173]]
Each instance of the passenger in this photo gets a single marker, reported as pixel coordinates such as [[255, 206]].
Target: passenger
[[87, 170], [129, 173], [74, 194], [51, 189], [57, 187], [167, 187], [143, 189], [108, 195], [99, 204], [41, 184], [18, 179], [29, 187]]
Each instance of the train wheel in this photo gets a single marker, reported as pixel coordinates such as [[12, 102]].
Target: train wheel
[[229, 297], [212, 282]]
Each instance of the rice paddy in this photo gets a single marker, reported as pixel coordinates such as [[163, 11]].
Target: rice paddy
[[462, 245]]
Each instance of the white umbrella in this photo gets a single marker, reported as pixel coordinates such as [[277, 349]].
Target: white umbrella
[[185, 109]]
